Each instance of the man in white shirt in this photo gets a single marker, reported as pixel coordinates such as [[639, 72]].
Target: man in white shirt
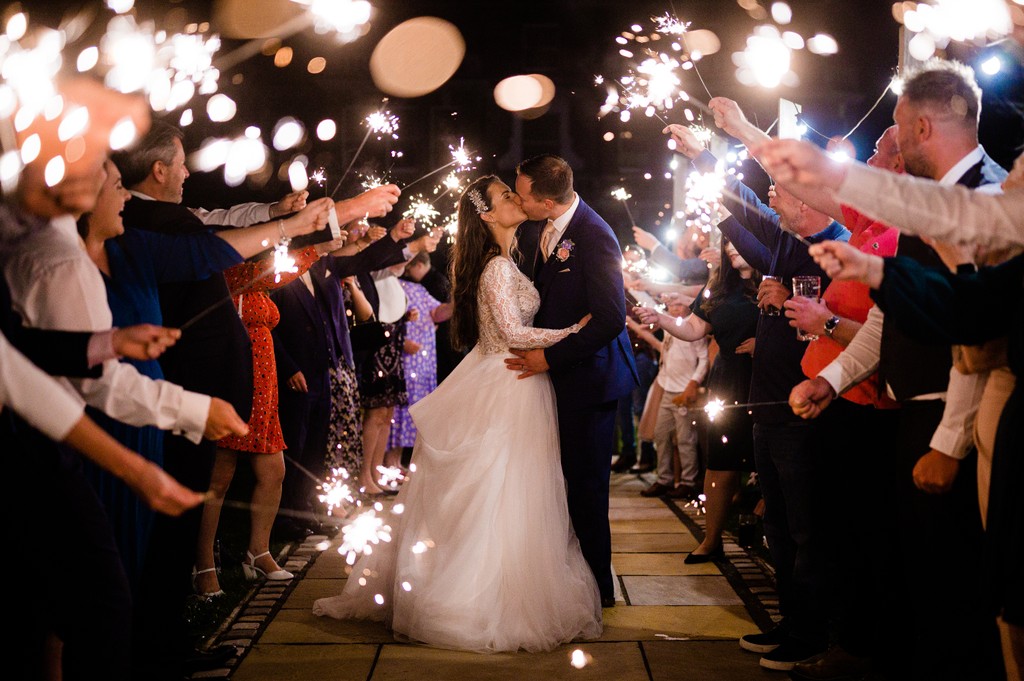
[[683, 367]]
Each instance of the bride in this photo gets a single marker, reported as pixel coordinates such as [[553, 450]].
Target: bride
[[502, 569]]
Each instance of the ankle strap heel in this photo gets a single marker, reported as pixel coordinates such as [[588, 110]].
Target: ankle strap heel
[[252, 573]]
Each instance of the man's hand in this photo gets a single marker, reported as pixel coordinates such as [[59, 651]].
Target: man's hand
[[843, 262], [807, 314], [527, 362], [771, 293], [374, 203], [647, 316], [689, 394], [310, 219], [645, 240], [403, 229], [326, 247], [411, 347], [143, 341], [746, 347], [798, 162], [297, 382], [809, 398], [712, 256], [935, 472], [686, 142], [291, 203], [223, 420], [731, 119]]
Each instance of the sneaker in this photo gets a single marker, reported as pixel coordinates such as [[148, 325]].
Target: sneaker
[[834, 665], [785, 657], [766, 642]]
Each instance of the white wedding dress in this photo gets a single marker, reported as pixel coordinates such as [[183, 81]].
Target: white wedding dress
[[503, 570]]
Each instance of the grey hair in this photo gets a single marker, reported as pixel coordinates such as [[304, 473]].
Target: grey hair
[[136, 163]]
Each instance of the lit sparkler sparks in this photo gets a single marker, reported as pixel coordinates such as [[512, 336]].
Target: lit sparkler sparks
[[373, 181], [360, 536], [319, 176], [336, 492], [422, 211], [283, 261], [714, 408], [390, 476], [461, 159], [347, 18], [621, 194], [935, 24], [383, 123], [669, 24], [704, 196]]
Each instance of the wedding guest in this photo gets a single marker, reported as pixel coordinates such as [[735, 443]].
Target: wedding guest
[[689, 270], [788, 469], [728, 310], [681, 371], [420, 358], [646, 349]]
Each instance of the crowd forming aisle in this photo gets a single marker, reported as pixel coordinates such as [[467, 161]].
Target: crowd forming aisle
[[671, 621]]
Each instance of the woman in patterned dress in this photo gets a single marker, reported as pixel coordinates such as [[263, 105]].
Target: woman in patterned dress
[[250, 283]]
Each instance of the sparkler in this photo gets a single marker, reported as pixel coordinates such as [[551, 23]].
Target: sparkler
[[390, 476], [381, 122], [421, 211], [336, 492], [715, 407], [461, 158], [620, 194], [283, 261], [364, 532]]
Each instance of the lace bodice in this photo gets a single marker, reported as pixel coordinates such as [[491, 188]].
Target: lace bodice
[[508, 301]]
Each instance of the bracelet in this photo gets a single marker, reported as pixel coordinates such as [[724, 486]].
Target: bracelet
[[280, 226]]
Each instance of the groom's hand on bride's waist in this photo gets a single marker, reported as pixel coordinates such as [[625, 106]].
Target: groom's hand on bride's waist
[[527, 362]]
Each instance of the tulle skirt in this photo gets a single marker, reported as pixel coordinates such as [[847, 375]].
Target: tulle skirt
[[483, 556]]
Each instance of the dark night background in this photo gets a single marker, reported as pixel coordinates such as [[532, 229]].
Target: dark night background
[[570, 41]]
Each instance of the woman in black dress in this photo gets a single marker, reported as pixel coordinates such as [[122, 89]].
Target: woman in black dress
[[727, 309]]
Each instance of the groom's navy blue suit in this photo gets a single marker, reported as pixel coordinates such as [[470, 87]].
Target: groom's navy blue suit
[[590, 371]]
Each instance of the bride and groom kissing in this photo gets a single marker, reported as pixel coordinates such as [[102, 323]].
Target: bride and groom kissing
[[514, 448]]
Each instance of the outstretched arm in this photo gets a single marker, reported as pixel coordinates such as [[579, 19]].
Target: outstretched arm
[[498, 295]]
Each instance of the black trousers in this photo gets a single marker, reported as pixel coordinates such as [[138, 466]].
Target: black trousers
[[305, 418]]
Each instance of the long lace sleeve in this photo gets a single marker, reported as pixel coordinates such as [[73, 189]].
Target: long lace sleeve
[[502, 304]]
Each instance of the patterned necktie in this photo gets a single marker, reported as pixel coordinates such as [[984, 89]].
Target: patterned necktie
[[545, 240]]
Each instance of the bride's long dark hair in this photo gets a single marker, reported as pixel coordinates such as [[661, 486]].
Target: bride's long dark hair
[[474, 247]]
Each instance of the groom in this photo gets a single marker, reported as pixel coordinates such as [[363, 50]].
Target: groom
[[578, 270]]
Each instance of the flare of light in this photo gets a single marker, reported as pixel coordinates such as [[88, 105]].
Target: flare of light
[[186, 118], [288, 133], [319, 176], [297, 176], [960, 20], [578, 659], [373, 181], [87, 59], [16, 26], [461, 158], [992, 66], [822, 44], [670, 24], [75, 122], [383, 123], [30, 148], [221, 108], [335, 491], [54, 171], [345, 17], [123, 133], [765, 60], [284, 263], [621, 194], [390, 476], [781, 13], [714, 408], [704, 195], [120, 6], [326, 130], [422, 211], [361, 534]]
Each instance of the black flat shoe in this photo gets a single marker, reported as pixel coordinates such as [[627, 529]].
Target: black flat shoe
[[623, 465], [697, 558], [607, 601]]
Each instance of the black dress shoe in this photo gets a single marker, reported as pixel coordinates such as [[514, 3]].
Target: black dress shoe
[[623, 465], [642, 467], [202, 660], [607, 601], [656, 490], [697, 558]]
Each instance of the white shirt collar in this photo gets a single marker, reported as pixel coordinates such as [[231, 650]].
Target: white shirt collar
[[145, 197], [962, 166], [562, 221]]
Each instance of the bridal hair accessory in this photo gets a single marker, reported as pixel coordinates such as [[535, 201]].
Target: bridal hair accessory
[[478, 201]]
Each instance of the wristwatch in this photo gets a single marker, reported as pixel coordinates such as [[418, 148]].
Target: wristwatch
[[830, 325]]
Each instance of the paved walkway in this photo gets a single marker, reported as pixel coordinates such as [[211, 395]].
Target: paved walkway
[[672, 621]]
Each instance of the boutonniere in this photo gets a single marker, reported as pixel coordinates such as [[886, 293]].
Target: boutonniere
[[564, 249]]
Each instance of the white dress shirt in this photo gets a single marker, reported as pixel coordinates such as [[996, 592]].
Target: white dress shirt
[[560, 223], [54, 285], [34, 395], [241, 215], [681, 362]]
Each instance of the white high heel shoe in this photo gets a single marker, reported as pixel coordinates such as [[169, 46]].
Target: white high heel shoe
[[252, 573], [204, 594]]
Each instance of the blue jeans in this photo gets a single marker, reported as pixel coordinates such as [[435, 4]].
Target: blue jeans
[[787, 458]]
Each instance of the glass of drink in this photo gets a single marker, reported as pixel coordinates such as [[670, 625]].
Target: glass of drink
[[807, 287], [771, 310]]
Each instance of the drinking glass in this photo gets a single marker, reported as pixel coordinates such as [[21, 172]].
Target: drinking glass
[[771, 310], [807, 287]]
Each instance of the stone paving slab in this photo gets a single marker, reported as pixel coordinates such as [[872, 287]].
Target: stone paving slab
[[310, 589], [703, 660], [650, 525], [645, 622], [653, 543], [642, 513], [307, 663], [302, 626], [680, 590], [618, 661], [659, 564], [633, 501]]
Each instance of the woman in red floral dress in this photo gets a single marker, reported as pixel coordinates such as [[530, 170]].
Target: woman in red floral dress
[[249, 283]]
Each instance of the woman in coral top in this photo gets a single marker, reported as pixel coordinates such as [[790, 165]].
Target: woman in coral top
[[250, 283]]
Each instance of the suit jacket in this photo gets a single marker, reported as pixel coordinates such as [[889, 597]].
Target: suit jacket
[[929, 372], [214, 354], [595, 365]]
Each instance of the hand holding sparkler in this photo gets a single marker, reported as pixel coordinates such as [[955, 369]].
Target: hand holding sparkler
[[843, 262], [811, 397], [772, 294], [222, 420], [729, 117], [290, 203], [375, 203], [160, 491], [404, 229], [686, 140], [648, 316], [143, 341], [798, 162]]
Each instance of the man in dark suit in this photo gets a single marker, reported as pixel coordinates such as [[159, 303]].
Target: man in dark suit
[[578, 271]]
